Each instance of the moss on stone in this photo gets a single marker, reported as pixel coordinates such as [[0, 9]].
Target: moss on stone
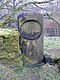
[[9, 44], [10, 48]]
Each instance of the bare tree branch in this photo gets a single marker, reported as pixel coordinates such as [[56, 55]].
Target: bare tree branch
[[18, 3], [0, 0], [28, 3], [40, 7], [6, 8], [52, 18], [1, 6], [4, 16]]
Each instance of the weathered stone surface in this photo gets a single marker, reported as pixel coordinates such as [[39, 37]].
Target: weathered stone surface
[[32, 51], [9, 43], [9, 46]]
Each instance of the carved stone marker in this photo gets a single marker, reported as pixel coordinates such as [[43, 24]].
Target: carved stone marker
[[31, 31]]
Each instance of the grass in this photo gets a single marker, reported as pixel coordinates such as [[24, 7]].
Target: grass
[[44, 72], [51, 42]]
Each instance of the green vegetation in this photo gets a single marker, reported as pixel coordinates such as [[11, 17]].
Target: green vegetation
[[9, 47], [9, 43], [8, 32], [7, 74], [44, 72], [51, 42], [7, 21], [11, 58]]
